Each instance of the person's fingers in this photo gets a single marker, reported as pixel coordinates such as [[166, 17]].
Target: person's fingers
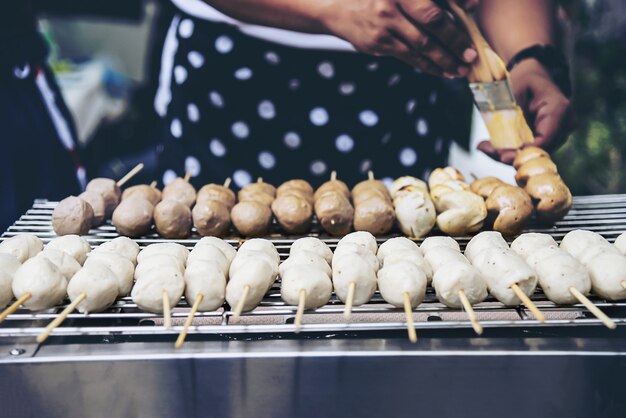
[[469, 4], [505, 156], [552, 123], [400, 48], [487, 147]]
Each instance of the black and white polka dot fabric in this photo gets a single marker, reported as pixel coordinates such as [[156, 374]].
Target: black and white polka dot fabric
[[237, 106]]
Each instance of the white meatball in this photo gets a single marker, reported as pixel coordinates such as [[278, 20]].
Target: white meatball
[[22, 246], [526, 244], [353, 268], [257, 273], [123, 246], [304, 258], [9, 263], [243, 258], [74, 245], [557, 271], [168, 248], [438, 257], [122, 267], [206, 278], [501, 268], [260, 244], [396, 244], [163, 261], [6, 293], [99, 285], [312, 244], [67, 265], [352, 249], [209, 253], [620, 243], [607, 272], [483, 241], [412, 257], [396, 278], [433, 242], [415, 213], [452, 277], [43, 280], [579, 241], [362, 238], [229, 251], [148, 290], [593, 252], [314, 281]]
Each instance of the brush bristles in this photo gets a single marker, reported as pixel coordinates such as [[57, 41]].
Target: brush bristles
[[508, 128]]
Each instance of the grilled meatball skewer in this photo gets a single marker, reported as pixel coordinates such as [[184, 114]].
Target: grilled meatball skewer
[[333, 208], [211, 214], [293, 206], [373, 207], [414, 208], [252, 216]]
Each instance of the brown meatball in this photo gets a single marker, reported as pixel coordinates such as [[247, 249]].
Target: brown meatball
[[369, 184], [371, 193], [333, 186], [293, 213], [172, 219], [553, 197], [252, 219], [181, 191], [485, 186], [374, 215], [257, 187], [262, 198], [72, 215], [152, 194], [211, 218], [527, 154], [96, 202], [109, 191], [298, 193], [335, 213], [133, 216], [511, 207], [216, 192], [295, 184], [535, 167]]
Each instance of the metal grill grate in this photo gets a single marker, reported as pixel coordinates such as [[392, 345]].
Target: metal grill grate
[[273, 319]]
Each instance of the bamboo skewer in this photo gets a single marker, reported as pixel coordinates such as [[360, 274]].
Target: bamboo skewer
[[529, 303], [241, 302], [478, 328], [300, 311], [15, 306], [59, 319], [349, 299], [227, 182], [333, 175], [370, 175], [623, 283], [167, 311], [130, 175], [610, 324], [408, 311], [183, 334], [187, 176], [153, 184]]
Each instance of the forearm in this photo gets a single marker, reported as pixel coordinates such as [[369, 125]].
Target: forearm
[[298, 15], [512, 25]]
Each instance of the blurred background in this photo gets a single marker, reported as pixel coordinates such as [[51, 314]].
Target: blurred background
[[107, 59]]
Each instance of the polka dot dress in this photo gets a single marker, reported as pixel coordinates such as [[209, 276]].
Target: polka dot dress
[[245, 108]]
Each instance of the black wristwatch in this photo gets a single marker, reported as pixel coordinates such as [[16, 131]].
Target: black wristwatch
[[552, 59]]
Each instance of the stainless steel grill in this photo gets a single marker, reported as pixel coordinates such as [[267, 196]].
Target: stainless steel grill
[[273, 319]]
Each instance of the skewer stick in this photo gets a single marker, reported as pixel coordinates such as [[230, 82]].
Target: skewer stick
[[333, 175], [59, 319], [183, 334], [241, 302], [15, 306], [300, 311], [153, 184], [623, 283], [187, 176], [529, 303], [348, 310], [370, 175], [478, 328], [167, 311], [130, 175], [408, 311], [227, 182], [610, 324], [259, 180]]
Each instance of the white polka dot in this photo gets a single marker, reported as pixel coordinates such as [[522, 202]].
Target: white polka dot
[[242, 178], [408, 157], [433, 98], [193, 113], [326, 69], [368, 118], [422, 127], [439, 145], [217, 147], [410, 106], [196, 59], [372, 66], [169, 176], [192, 166], [393, 80], [224, 44], [267, 160], [180, 74], [365, 166], [240, 130], [292, 140], [387, 181], [347, 88], [386, 138], [267, 109], [318, 167], [319, 116], [216, 99], [176, 128], [344, 143], [244, 73], [185, 29], [272, 57], [294, 84]]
